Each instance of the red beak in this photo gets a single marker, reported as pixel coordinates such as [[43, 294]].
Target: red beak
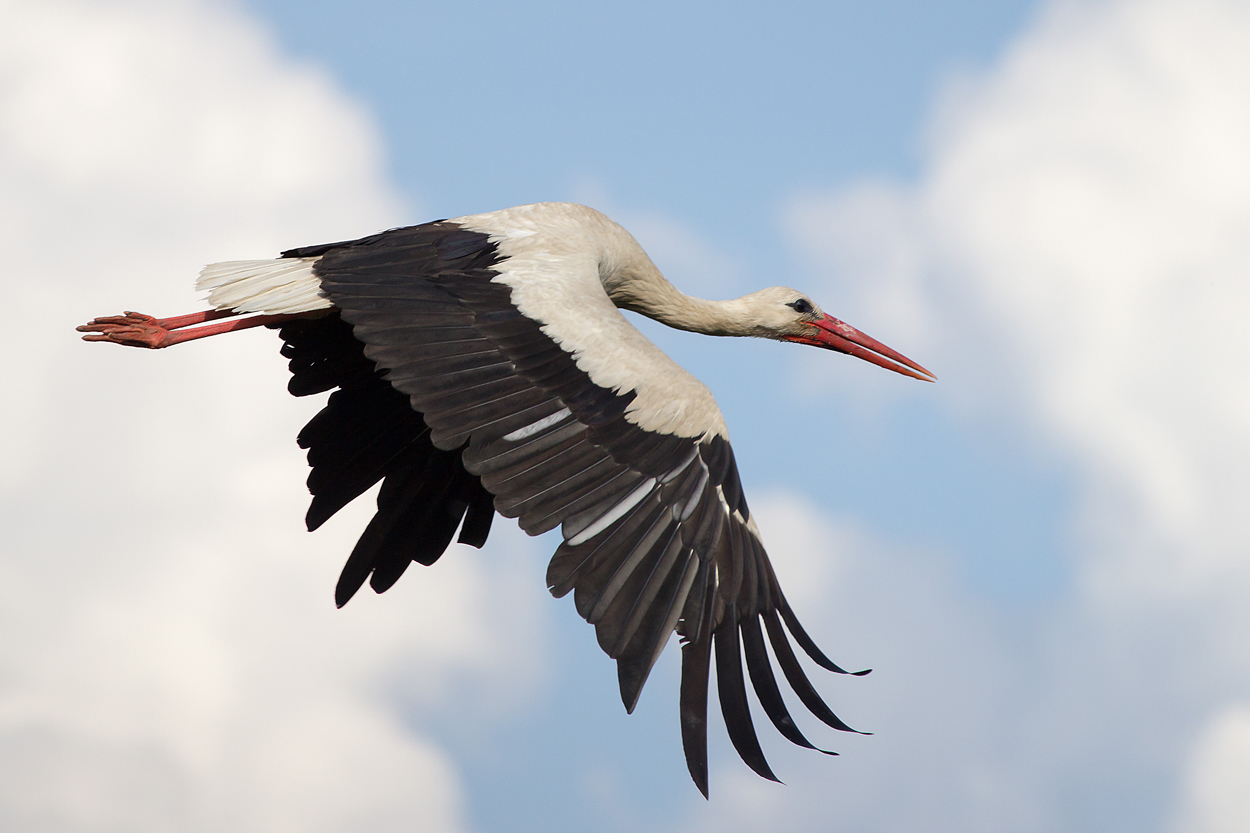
[[833, 334]]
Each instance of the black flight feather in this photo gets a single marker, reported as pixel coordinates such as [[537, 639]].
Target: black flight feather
[[733, 696]]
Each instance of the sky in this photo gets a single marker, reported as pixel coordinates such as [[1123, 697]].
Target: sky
[[1043, 556]]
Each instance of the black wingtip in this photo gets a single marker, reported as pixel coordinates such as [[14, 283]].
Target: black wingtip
[[630, 699], [344, 590], [351, 579], [766, 685], [806, 642], [630, 677], [316, 515], [798, 680], [731, 686], [477, 520], [696, 659]]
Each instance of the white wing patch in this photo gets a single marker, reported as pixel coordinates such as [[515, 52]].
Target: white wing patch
[[534, 427], [284, 285], [614, 514]]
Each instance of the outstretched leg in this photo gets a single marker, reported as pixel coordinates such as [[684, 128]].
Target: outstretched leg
[[134, 329]]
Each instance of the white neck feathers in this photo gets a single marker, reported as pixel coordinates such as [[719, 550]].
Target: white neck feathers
[[653, 296]]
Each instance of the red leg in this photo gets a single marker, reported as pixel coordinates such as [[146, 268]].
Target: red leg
[[178, 322], [134, 329], [231, 326]]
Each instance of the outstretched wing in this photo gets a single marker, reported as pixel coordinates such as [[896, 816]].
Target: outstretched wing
[[657, 534]]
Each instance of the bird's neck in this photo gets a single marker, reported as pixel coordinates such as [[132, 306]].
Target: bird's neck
[[654, 297]]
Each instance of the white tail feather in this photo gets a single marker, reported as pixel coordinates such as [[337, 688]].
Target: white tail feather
[[277, 286]]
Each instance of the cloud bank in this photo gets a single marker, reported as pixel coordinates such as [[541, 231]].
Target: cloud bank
[[171, 658], [1074, 259]]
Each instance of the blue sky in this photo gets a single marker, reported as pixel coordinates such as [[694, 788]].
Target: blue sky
[[715, 112], [1041, 556], [711, 116]]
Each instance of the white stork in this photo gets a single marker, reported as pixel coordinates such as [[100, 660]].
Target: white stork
[[482, 365]]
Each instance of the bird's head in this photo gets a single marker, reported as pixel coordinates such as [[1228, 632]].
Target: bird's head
[[789, 315]]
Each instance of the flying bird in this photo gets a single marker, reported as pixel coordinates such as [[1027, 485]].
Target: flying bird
[[482, 365]]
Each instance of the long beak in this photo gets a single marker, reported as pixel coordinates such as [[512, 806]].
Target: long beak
[[833, 334]]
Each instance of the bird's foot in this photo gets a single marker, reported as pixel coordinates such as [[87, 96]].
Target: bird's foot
[[134, 329]]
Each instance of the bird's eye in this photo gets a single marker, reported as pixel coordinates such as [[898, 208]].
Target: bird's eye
[[801, 306]]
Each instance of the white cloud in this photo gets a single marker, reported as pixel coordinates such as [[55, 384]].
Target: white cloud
[[1217, 800], [171, 656], [1075, 258]]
